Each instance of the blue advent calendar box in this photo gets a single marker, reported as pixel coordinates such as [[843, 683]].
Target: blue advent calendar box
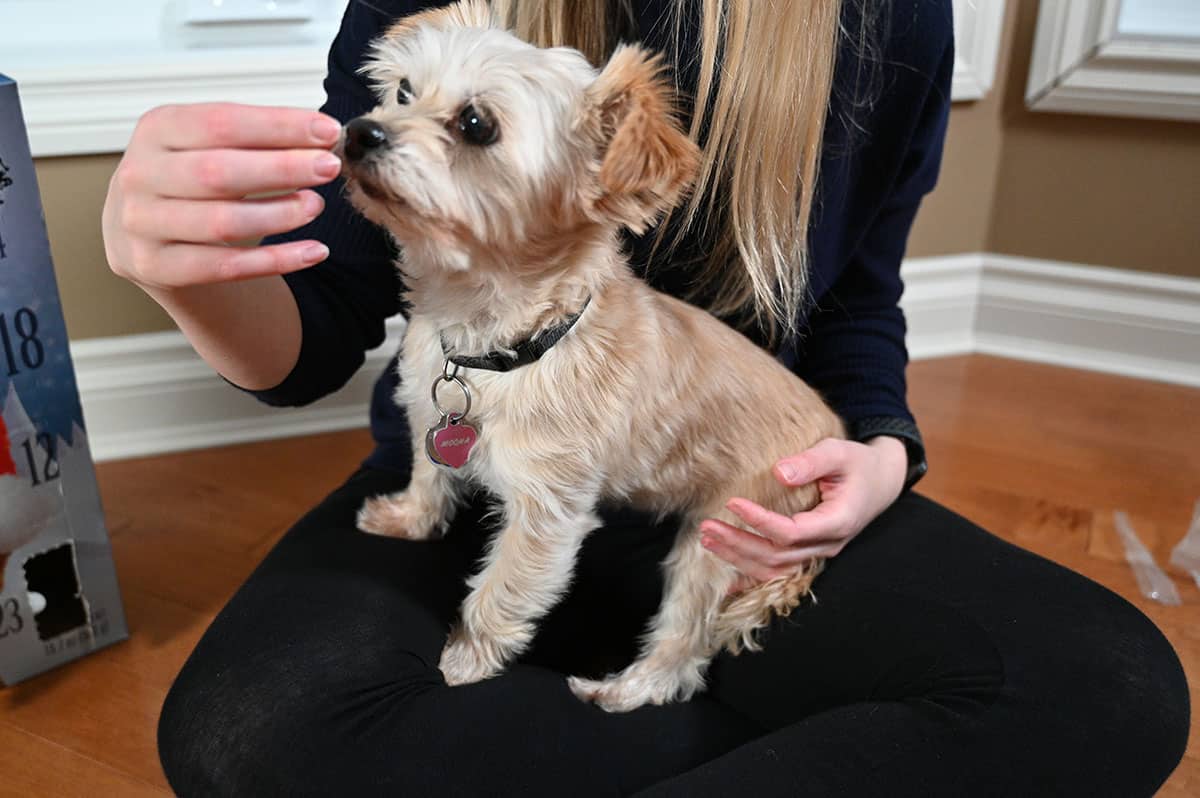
[[58, 588]]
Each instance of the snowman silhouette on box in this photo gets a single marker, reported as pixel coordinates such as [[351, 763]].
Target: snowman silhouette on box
[[25, 509]]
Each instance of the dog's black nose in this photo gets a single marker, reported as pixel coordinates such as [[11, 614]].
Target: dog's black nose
[[363, 135]]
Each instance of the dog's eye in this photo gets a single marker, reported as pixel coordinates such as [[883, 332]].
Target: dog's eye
[[477, 127], [404, 94]]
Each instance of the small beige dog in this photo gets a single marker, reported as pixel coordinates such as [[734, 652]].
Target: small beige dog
[[507, 172]]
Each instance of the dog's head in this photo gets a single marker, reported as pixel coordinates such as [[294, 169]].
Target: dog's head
[[482, 142]]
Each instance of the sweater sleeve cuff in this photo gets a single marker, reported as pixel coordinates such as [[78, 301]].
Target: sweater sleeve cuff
[[905, 431]]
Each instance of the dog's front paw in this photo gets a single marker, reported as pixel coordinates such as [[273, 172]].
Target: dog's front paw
[[466, 660], [635, 687], [396, 517]]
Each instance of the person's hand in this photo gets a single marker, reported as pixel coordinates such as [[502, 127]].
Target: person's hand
[[857, 482], [178, 199]]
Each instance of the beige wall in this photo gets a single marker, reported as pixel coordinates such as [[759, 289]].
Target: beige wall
[[1097, 190], [1106, 191], [95, 302], [957, 216], [1110, 191]]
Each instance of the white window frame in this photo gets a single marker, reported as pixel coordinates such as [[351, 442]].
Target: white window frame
[[1085, 61], [84, 84], [978, 28]]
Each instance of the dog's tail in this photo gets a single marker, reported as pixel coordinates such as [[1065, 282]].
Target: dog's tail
[[744, 614]]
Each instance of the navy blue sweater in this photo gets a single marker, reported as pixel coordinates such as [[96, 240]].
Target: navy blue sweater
[[882, 147]]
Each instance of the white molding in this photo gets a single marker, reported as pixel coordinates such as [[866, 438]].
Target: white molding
[[68, 113], [83, 86], [978, 27], [1121, 322], [149, 394], [940, 302], [1084, 62]]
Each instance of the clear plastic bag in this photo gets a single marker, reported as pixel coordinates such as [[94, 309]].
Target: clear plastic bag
[[1152, 580], [1186, 554]]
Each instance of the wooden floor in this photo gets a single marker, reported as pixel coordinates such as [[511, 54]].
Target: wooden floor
[[1040, 455]]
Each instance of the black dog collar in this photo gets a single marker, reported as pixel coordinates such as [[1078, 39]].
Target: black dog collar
[[526, 351]]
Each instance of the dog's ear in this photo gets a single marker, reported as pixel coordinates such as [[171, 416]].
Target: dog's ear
[[646, 162], [464, 14]]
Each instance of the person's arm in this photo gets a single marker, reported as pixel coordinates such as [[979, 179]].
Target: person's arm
[[854, 352], [262, 316], [855, 358], [175, 205]]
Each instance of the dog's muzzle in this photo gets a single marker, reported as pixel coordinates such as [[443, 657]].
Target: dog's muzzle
[[362, 136]]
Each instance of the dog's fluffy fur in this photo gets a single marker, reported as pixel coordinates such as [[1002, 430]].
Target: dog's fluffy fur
[[646, 400]]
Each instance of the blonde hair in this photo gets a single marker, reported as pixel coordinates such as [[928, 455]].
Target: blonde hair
[[760, 126]]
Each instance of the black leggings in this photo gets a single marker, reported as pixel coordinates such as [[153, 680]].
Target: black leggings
[[938, 660]]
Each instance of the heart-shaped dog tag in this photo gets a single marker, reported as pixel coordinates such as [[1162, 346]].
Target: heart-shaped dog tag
[[430, 450], [450, 442]]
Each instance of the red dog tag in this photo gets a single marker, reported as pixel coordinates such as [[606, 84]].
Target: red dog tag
[[450, 442]]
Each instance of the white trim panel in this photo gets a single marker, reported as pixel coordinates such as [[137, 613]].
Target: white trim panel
[[85, 78], [1084, 62], [940, 301], [1121, 322], [148, 394], [978, 27], [69, 114]]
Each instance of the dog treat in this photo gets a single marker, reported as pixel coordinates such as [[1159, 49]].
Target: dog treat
[[1152, 580]]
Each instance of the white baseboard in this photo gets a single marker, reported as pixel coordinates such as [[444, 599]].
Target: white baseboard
[[1088, 317], [149, 394], [940, 302], [1121, 322]]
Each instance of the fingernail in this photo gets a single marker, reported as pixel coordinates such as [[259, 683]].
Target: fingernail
[[789, 472], [325, 129], [327, 165], [706, 542], [313, 204], [315, 253]]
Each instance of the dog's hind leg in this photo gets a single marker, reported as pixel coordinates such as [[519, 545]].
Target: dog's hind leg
[[680, 642], [527, 569], [753, 608]]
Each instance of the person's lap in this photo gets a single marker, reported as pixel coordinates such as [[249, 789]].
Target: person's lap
[[936, 659]]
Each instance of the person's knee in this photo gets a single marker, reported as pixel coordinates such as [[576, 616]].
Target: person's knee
[[185, 749], [1146, 689], [211, 734], [247, 728], [1113, 697]]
